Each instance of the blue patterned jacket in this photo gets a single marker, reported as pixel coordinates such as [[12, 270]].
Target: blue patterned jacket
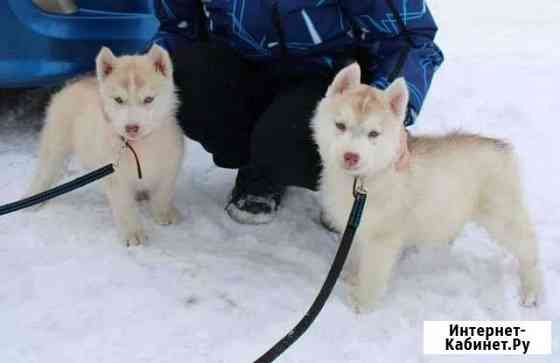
[[390, 38]]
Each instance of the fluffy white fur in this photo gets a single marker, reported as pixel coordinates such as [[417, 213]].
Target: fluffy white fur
[[420, 191], [89, 118]]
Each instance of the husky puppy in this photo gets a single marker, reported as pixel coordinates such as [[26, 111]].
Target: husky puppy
[[131, 98], [421, 190]]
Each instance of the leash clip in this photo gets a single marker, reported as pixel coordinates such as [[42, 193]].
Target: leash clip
[[359, 187], [120, 153]]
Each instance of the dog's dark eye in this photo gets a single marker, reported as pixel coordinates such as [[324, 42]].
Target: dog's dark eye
[[340, 126], [373, 134], [119, 100], [148, 100]]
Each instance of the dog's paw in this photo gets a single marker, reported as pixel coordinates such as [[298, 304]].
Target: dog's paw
[[170, 216], [360, 302], [530, 297], [531, 286], [135, 238]]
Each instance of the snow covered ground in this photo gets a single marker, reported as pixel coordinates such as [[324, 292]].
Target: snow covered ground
[[209, 290]]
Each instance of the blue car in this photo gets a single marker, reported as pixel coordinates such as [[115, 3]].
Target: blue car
[[45, 42]]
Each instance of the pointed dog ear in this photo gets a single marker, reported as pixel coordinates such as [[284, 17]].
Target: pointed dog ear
[[347, 78], [403, 161], [105, 63], [397, 95], [162, 61]]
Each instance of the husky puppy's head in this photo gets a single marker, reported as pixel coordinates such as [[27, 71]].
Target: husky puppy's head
[[137, 92], [359, 129]]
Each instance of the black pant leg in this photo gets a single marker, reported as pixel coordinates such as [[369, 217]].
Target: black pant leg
[[282, 143], [216, 89]]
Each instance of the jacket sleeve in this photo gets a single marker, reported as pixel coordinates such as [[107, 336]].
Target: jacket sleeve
[[397, 39], [180, 22]]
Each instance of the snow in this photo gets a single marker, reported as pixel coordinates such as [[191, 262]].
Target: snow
[[210, 290]]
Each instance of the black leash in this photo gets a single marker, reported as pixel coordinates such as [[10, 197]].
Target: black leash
[[360, 195], [59, 190], [71, 185]]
